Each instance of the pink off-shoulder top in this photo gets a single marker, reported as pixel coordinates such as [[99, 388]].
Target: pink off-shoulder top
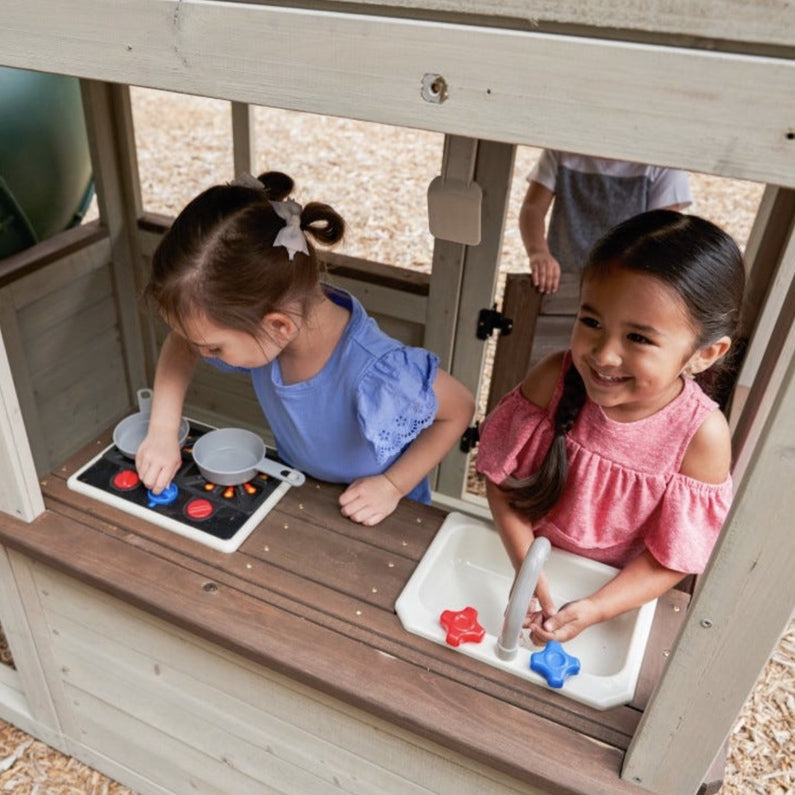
[[624, 490]]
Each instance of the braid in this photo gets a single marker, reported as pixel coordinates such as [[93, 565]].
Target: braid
[[537, 494]]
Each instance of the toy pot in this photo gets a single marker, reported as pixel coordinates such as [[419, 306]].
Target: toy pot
[[131, 431], [230, 456]]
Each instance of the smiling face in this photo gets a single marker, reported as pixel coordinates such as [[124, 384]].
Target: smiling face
[[631, 341]]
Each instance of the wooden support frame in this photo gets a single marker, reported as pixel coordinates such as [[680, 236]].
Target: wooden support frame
[[770, 256], [607, 97], [463, 281], [243, 143], [113, 154]]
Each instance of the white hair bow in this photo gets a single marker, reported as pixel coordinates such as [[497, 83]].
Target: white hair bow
[[291, 236], [246, 180]]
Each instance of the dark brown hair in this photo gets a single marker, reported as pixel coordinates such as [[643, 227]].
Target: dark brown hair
[[218, 257], [689, 254]]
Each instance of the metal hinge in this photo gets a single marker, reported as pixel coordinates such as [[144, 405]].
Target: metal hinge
[[491, 319], [470, 438]]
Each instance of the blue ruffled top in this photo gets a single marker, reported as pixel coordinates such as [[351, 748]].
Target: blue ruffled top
[[359, 413]]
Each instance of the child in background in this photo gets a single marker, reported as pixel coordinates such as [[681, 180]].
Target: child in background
[[588, 196], [238, 282], [611, 450]]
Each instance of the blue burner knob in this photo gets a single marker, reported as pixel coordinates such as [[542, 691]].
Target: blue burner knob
[[166, 497], [554, 664]]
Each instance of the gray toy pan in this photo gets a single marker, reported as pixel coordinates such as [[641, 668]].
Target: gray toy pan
[[131, 431], [230, 456]]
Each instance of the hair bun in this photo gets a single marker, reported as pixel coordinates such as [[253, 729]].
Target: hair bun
[[278, 186]]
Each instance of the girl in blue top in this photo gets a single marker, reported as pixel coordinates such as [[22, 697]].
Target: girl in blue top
[[238, 282]]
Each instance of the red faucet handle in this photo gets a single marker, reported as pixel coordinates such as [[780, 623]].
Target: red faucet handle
[[462, 626]]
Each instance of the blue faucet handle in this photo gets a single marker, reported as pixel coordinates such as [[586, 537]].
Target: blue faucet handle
[[166, 497], [554, 663]]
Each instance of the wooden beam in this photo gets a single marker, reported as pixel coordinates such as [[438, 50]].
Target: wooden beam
[[719, 21], [717, 112]]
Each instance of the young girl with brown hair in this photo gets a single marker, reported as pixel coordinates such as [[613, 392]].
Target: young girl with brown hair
[[237, 280]]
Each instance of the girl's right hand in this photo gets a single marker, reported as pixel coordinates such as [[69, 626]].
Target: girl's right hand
[[158, 459], [570, 620]]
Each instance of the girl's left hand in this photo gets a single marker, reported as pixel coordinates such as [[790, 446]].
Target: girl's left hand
[[566, 624], [369, 500]]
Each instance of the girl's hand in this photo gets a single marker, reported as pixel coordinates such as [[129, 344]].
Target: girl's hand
[[369, 500], [157, 460], [567, 623], [545, 272], [541, 606]]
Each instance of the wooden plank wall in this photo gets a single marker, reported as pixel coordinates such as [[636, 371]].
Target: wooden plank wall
[[192, 717], [59, 321]]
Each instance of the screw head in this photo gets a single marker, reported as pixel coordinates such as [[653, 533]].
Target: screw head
[[434, 88]]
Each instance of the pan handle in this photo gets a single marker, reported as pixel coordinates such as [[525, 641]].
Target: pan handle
[[281, 471], [144, 400]]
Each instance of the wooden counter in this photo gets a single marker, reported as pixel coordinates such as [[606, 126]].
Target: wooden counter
[[310, 596]]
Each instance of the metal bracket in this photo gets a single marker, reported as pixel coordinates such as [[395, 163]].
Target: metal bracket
[[470, 438], [491, 319]]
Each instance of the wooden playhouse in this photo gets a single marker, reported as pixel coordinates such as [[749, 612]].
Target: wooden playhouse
[[176, 668]]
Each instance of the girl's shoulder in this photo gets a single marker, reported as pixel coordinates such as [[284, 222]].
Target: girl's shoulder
[[708, 455], [541, 382]]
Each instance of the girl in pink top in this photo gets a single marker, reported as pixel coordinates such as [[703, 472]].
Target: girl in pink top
[[612, 450]]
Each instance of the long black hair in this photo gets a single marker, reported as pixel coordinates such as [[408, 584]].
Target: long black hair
[[691, 255]]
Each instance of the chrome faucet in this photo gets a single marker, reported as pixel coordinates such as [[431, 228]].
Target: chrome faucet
[[521, 593]]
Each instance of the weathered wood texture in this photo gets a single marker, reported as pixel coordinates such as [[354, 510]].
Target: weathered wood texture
[[60, 324], [309, 596], [763, 23], [718, 112], [541, 326]]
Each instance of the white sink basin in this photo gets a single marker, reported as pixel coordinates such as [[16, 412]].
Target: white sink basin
[[466, 566]]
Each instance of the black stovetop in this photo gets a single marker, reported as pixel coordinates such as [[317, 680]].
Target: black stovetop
[[218, 516]]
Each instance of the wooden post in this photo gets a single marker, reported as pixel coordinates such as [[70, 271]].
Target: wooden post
[[521, 302], [115, 165], [468, 274], [20, 495], [770, 255], [243, 149]]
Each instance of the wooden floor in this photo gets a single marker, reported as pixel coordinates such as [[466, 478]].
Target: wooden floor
[[311, 595]]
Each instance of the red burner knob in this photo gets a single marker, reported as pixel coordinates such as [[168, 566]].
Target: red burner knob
[[199, 509], [125, 480]]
